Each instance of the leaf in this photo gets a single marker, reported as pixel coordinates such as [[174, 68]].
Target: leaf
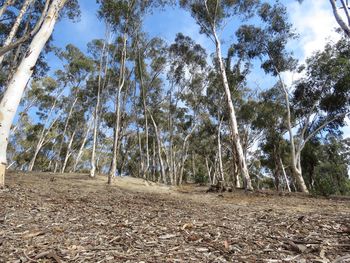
[[226, 244], [187, 226]]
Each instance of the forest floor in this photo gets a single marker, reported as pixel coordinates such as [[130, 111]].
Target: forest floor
[[71, 218]]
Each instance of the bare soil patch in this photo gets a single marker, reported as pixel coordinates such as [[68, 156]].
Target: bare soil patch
[[71, 218]]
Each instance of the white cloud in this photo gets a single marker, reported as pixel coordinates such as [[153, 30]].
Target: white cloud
[[315, 23]]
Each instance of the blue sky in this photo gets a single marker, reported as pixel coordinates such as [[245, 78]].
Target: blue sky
[[312, 20]]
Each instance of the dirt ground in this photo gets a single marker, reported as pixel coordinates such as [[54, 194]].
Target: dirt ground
[[71, 218]]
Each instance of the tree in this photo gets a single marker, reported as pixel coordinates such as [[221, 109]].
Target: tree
[[343, 23], [14, 91], [211, 16], [310, 109]]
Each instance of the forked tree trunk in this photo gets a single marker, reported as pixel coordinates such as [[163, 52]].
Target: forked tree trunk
[[159, 149], [232, 114], [295, 155], [68, 153], [208, 170], [285, 175], [16, 25], [14, 91], [184, 156]]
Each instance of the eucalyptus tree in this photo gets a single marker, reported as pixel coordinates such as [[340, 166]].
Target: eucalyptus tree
[[150, 64], [16, 25], [48, 104], [19, 20], [187, 74], [342, 15], [212, 16], [313, 106], [270, 120], [12, 96], [77, 68], [125, 18], [102, 52]]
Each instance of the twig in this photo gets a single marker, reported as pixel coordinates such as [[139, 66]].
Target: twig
[[340, 260], [31, 260]]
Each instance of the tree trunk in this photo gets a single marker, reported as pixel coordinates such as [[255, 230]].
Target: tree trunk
[[43, 134], [233, 121], [81, 149], [117, 109], [14, 91], [159, 148], [296, 169], [221, 169], [97, 106], [208, 170], [40, 144], [64, 133], [285, 175], [144, 104], [16, 25], [68, 153]]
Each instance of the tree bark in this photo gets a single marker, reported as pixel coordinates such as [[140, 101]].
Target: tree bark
[[285, 175], [294, 154], [344, 26], [81, 149], [117, 109], [64, 133], [221, 169], [14, 91], [159, 148], [233, 121], [68, 153], [40, 144], [16, 25], [97, 106]]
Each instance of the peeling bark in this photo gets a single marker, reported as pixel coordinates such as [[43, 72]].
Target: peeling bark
[[233, 120]]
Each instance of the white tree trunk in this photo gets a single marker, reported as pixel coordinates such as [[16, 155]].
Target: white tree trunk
[[208, 170], [233, 121], [285, 175], [68, 153], [64, 133], [117, 109], [81, 149], [296, 168], [221, 169], [97, 106], [40, 144], [14, 91], [159, 148], [16, 25]]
